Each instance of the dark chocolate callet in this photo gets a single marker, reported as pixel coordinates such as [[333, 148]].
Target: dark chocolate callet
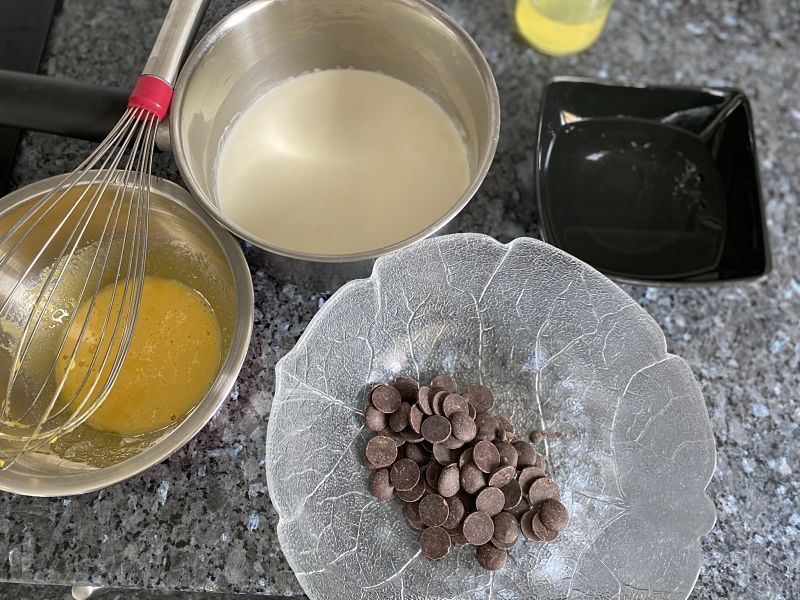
[[435, 543], [473, 479], [449, 481], [381, 451], [490, 557], [486, 456], [481, 397], [385, 398], [542, 532], [454, 403], [433, 510], [508, 454], [526, 453], [404, 474], [407, 388], [543, 489], [435, 429], [502, 476], [380, 486], [478, 528], [456, 508], [553, 515], [398, 420], [490, 500], [374, 419], [512, 493], [445, 382]]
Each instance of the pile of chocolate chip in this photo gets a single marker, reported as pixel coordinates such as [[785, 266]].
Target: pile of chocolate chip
[[462, 477]]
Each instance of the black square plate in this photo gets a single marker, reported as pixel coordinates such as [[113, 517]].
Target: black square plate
[[652, 184]]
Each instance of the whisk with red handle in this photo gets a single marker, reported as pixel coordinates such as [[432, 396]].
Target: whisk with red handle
[[93, 224]]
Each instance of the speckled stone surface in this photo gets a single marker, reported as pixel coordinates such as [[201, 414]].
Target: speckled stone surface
[[202, 519]]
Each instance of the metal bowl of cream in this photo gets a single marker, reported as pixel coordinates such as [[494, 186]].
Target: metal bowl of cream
[[185, 244], [266, 42]]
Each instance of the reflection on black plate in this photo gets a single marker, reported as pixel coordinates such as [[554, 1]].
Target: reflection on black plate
[[652, 184]]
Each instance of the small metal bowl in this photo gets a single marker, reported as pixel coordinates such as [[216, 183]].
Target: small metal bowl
[[266, 42], [207, 259]]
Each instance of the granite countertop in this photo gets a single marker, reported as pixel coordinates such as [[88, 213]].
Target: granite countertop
[[202, 520]]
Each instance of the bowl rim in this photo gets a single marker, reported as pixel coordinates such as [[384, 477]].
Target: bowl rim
[[201, 414], [228, 26]]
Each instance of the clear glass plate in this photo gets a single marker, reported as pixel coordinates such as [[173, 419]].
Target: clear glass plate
[[563, 348]]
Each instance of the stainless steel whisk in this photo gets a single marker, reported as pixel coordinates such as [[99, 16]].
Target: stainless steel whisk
[[88, 233]]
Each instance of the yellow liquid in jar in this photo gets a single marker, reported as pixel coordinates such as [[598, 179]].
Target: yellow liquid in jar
[[561, 27], [172, 360]]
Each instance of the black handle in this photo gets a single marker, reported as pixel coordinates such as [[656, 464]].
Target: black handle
[[60, 106]]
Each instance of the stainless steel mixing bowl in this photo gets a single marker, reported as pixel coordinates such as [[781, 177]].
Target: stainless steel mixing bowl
[[267, 41], [185, 244]]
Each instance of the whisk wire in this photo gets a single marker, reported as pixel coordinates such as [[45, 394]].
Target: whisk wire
[[132, 191]]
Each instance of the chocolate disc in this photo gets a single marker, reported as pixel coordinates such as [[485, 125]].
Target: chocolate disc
[[512, 493], [424, 400], [404, 474], [520, 509], [435, 429], [395, 437], [433, 510], [490, 557], [374, 419], [411, 511], [487, 427], [541, 462], [478, 528], [449, 481], [407, 387], [437, 402], [486, 456], [466, 456], [381, 451], [471, 410], [542, 532], [398, 420], [506, 529], [490, 500], [385, 398], [432, 474], [443, 455], [502, 476], [415, 416], [457, 535], [417, 453], [456, 513], [463, 426], [445, 382], [528, 476], [472, 478], [454, 403], [380, 486], [553, 515], [526, 525], [526, 453], [414, 493], [508, 454], [435, 543], [481, 397], [543, 489]]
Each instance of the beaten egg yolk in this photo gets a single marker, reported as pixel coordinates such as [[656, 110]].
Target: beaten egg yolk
[[172, 360]]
